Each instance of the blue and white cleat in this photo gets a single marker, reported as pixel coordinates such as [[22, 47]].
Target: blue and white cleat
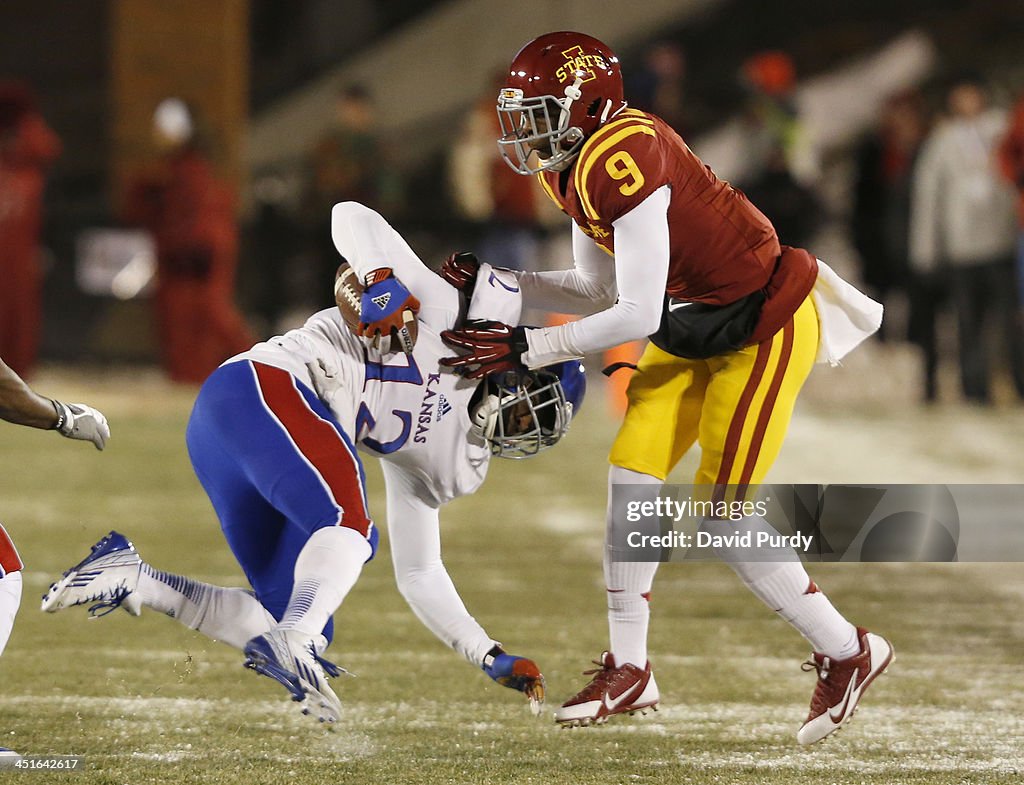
[[293, 659], [104, 580]]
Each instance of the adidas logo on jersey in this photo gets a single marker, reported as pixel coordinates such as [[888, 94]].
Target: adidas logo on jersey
[[443, 407], [382, 300]]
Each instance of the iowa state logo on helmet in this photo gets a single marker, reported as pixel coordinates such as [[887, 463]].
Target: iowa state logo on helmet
[[579, 63]]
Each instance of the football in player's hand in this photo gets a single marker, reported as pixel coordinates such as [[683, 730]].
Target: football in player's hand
[[348, 295]]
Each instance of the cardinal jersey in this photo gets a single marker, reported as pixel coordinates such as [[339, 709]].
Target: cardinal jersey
[[721, 247]]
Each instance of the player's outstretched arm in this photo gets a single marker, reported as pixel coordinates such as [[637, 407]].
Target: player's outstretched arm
[[21, 405], [587, 287], [414, 532], [415, 536], [641, 273], [641, 266], [368, 243]]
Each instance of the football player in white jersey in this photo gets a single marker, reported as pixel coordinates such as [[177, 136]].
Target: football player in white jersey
[[272, 440]]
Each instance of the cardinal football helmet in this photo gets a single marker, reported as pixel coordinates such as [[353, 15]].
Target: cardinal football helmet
[[561, 88], [523, 413]]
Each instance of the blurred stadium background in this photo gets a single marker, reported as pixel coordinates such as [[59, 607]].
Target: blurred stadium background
[[147, 701]]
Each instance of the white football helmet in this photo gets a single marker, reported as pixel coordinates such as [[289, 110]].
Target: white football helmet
[[522, 414]]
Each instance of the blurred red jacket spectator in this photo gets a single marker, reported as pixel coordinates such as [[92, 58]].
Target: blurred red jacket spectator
[[1011, 154], [190, 213], [27, 148], [1011, 163]]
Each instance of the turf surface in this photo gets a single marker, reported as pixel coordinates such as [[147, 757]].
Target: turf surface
[[147, 701]]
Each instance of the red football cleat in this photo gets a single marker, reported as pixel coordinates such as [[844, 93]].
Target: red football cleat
[[840, 685], [613, 690]]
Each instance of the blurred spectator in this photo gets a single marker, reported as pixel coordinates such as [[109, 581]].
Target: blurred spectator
[[774, 126], [349, 162], [881, 205], [502, 204], [659, 85], [779, 172], [881, 224], [793, 209], [272, 242], [1011, 160], [27, 148], [190, 212], [963, 227]]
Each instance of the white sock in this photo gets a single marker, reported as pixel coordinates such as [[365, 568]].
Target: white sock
[[231, 615], [326, 570], [628, 583], [10, 600], [781, 582]]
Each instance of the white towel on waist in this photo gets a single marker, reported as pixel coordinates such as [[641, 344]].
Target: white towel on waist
[[846, 315]]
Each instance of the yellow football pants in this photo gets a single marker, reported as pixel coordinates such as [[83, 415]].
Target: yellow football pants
[[736, 405]]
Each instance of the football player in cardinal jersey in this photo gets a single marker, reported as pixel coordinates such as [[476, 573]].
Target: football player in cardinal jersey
[[21, 405], [272, 440], [669, 251]]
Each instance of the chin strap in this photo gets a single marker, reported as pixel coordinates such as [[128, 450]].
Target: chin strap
[[573, 92]]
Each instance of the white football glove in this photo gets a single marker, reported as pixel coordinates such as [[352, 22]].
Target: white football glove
[[78, 421]]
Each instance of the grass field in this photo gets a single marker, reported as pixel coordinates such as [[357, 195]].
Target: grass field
[[147, 701]]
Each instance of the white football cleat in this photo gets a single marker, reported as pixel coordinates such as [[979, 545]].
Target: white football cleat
[[292, 659], [106, 579], [840, 685], [613, 690]]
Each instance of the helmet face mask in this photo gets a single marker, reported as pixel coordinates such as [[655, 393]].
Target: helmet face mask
[[522, 414], [536, 125], [561, 88]]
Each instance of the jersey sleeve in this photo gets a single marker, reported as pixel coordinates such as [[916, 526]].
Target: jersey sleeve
[[619, 168], [368, 242], [415, 536]]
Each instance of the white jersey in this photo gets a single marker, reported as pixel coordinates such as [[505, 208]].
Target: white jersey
[[415, 415], [406, 410]]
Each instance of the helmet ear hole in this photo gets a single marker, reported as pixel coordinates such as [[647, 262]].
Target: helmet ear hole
[[594, 106]]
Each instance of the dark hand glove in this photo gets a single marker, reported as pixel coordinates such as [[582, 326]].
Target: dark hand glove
[[460, 270], [517, 673], [493, 348], [387, 307]]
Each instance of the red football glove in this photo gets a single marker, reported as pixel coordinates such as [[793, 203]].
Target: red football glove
[[460, 270], [493, 348]]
